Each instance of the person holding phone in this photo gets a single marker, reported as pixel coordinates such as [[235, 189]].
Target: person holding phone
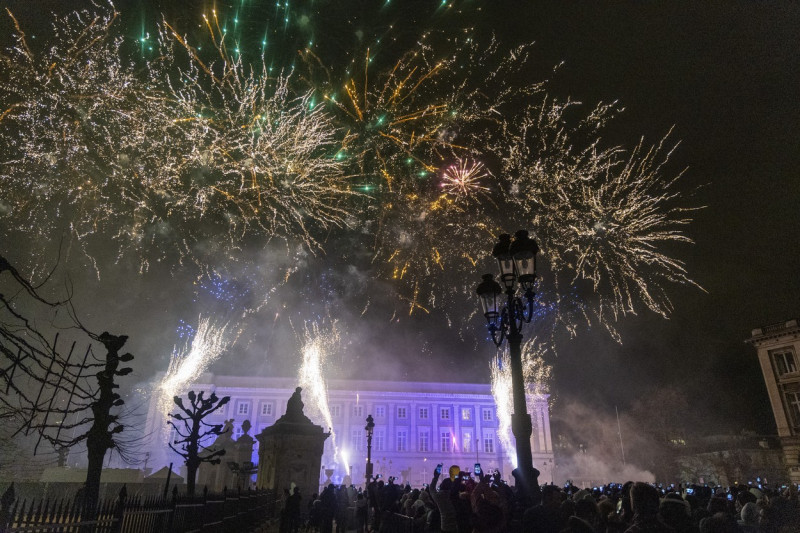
[[489, 509], [441, 497]]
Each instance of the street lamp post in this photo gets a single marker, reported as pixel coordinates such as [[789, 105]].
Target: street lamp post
[[517, 260], [370, 428]]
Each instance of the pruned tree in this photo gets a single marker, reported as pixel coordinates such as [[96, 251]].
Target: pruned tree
[[57, 396], [192, 430]]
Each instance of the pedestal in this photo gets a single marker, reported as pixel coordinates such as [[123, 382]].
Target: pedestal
[[290, 452]]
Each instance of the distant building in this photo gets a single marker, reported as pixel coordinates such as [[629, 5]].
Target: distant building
[[778, 346], [730, 459], [417, 425]]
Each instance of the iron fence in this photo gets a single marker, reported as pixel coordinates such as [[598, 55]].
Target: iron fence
[[234, 512]]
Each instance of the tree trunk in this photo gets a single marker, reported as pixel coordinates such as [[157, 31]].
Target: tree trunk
[[96, 452], [191, 475], [96, 456], [99, 438]]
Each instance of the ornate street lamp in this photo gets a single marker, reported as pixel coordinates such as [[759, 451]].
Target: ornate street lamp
[[369, 428], [505, 318]]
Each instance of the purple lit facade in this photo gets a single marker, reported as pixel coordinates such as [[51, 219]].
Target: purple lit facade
[[417, 425]]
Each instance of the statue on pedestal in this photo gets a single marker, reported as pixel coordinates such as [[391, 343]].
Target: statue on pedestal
[[290, 451]]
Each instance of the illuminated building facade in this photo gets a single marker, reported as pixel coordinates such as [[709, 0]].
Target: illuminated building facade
[[778, 346], [417, 425]]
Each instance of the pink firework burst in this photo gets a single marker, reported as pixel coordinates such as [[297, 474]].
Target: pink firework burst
[[463, 178]]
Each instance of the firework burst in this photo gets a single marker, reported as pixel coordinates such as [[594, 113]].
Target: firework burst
[[463, 178], [250, 154], [601, 216], [422, 230], [188, 157], [70, 112]]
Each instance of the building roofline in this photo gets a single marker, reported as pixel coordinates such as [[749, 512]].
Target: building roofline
[[773, 331], [354, 385]]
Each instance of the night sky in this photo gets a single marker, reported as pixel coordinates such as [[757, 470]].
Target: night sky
[[724, 75]]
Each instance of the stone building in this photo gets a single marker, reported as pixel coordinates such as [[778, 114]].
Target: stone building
[[778, 346], [730, 459], [417, 425]]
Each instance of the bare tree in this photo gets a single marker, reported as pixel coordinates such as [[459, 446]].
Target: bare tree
[[194, 430], [62, 398]]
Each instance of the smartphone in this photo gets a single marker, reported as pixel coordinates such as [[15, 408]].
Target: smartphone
[[378, 476], [477, 469], [730, 497], [689, 491], [439, 468]]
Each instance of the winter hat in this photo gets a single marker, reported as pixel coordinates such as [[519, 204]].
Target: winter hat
[[750, 514], [673, 501], [581, 494]]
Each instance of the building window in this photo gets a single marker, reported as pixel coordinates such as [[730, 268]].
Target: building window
[[379, 440], [488, 443], [336, 411], [237, 432], [358, 411], [424, 441], [444, 413], [380, 411], [487, 414], [793, 402], [402, 440], [447, 442], [466, 447], [355, 439], [266, 409], [466, 413], [243, 408], [423, 413], [401, 412], [785, 362]]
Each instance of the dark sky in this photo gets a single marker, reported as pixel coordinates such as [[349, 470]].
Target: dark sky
[[726, 76]]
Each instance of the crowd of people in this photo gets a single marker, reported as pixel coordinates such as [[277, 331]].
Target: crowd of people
[[464, 502]]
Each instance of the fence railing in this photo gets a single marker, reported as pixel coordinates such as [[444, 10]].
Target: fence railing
[[397, 523], [229, 511]]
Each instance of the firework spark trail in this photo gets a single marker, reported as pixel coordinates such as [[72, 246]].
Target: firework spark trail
[[345, 455], [188, 362], [317, 346], [536, 375], [503, 399]]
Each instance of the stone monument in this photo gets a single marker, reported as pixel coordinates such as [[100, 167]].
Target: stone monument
[[290, 451], [211, 475], [231, 471]]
